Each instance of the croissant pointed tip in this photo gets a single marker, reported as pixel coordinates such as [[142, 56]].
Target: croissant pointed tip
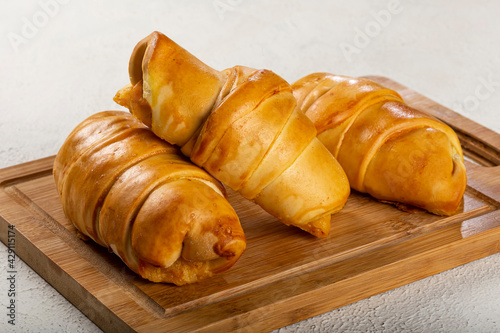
[[319, 228]]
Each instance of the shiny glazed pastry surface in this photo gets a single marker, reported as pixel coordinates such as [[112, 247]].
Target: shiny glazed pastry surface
[[243, 126], [387, 149], [135, 194]]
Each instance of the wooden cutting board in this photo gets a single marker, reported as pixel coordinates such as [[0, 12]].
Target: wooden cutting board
[[285, 275]]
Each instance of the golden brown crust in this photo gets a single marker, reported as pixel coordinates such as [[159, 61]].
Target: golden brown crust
[[388, 149], [243, 126], [180, 99], [132, 97], [130, 191]]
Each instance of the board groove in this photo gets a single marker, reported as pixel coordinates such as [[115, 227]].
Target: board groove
[[475, 148]]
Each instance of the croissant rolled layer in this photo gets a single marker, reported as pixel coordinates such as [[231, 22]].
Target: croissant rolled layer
[[241, 125], [128, 190], [388, 149]]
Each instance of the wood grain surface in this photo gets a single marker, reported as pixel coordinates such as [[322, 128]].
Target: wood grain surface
[[285, 275]]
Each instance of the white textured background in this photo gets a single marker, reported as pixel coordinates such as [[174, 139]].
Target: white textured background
[[61, 61]]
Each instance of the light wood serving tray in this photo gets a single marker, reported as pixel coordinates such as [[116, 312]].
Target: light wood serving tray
[[285, 275]]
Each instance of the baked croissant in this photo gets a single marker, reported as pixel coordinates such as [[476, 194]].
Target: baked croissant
[[387, 148], [243, 126], [127, 190]]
